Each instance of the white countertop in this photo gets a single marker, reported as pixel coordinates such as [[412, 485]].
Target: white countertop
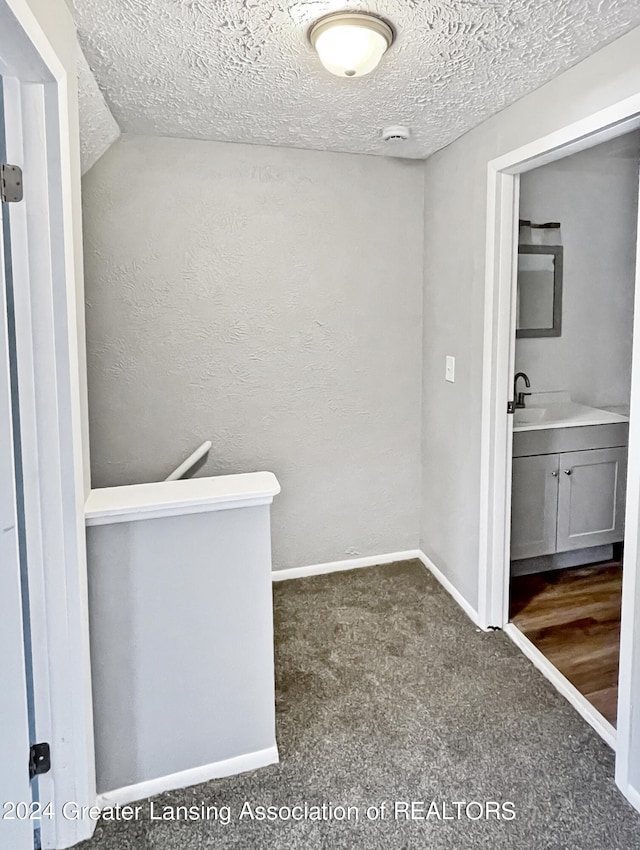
[[173, 498], [556, 410]]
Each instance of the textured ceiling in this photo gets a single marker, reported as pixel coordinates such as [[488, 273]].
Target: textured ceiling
[[243, 71], [98, 128]]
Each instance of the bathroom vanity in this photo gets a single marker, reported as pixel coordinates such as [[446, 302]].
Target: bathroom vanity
[[569, 478]]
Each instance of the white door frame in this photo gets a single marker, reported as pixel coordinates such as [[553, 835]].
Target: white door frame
[[497, 427], [14, 728], [38, 118]]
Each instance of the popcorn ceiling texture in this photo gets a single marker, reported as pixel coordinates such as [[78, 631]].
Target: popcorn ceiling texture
[[243, 70], [269, 300], [98, 128]]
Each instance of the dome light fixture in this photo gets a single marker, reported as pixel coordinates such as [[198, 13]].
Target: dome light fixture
[[351, 44]]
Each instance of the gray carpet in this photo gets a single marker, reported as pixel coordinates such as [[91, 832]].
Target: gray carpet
[[387, 692]]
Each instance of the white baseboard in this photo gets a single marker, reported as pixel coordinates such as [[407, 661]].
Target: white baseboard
[[632, 796], [193, 776], [581, 704], [471, 613], [376, 560], [348, 564]]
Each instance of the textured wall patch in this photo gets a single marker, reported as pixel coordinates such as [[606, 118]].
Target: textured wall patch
[[272, 303]]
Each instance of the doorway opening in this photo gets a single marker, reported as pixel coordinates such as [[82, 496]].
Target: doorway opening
[[505, 178], [572, 385]]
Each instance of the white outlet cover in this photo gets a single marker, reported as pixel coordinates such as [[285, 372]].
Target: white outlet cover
[[450, 368]]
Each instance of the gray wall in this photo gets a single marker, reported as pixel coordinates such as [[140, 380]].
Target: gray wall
[[168, 697], [594, 195], [454, 248], [269, 300]]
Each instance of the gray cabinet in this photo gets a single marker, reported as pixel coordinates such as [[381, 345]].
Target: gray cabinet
[[565, 500], [591, 498], [534, 506]]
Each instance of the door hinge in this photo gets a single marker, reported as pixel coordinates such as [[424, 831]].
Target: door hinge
[[511, 407], [10, 183], [39, 760]]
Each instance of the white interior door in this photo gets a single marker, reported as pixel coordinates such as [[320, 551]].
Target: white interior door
[[628, 738], [16, 829]]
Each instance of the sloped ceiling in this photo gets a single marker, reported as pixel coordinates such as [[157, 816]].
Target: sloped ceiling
[[243, 70], [98, 127]]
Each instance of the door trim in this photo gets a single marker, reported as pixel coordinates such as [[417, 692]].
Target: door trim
[[496, 427], [39, 71], [14, 728], [581, 704]]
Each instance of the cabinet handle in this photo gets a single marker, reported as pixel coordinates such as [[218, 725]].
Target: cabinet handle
[[555, 473], [567, 471]]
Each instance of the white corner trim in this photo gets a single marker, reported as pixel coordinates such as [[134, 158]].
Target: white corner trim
[[347, 564], [193, 776], [468, 609], [581, 704]]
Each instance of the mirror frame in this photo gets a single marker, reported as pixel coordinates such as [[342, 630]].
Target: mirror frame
[[557, 252]]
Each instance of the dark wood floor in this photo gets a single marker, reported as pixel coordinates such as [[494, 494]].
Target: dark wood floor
[[573, 617]]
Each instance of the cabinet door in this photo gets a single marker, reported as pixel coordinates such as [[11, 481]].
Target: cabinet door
[[591, 498], [534, 506]]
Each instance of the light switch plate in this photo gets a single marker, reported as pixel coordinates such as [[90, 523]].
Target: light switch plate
[[450, 368]]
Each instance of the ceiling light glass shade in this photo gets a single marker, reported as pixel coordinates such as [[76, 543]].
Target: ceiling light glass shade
[[351, 44]]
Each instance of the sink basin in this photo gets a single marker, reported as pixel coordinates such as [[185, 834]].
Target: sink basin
[[562, 414], [529, 416]]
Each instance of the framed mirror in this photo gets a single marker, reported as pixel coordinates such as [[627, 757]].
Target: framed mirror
[[539, 302]]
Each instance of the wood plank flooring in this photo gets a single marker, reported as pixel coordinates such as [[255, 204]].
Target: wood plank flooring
[[573, 617]]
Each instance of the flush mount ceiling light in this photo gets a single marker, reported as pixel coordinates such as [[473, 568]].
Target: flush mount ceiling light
[[351, 44]]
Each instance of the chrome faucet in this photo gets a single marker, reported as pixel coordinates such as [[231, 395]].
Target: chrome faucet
[[519, 397]]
